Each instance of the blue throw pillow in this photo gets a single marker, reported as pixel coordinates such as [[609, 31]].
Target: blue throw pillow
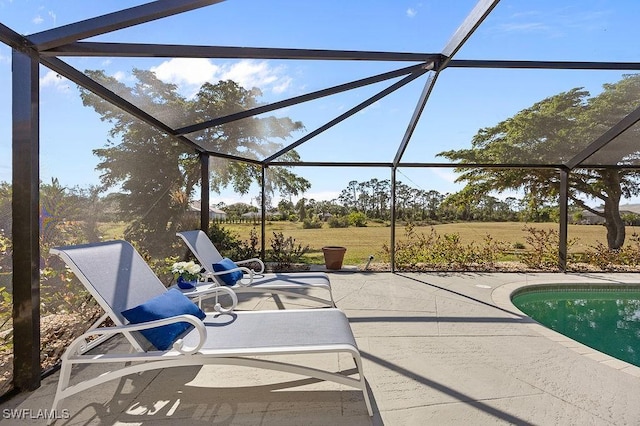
[[168, 304], [227, 264]]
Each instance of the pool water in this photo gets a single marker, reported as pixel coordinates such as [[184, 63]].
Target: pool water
[[607, 320]]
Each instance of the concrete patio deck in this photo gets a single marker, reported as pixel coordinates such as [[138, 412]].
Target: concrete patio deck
[[441, 349]]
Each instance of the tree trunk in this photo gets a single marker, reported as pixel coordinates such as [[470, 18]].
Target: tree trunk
[[613, 221]]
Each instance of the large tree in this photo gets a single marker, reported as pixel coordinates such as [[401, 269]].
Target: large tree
[[156, 173], [552, 131]]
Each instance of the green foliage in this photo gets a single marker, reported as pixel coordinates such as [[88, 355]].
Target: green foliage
[[5, 208], [434, 251], [338, 222], [63, 221], [6, 248], [518, 245], [611, 260], [577, 217], [311, 224], [552, 131], [6, 337], [230, 245], [284, 251], [544, 248], [64, 293], [357, 219], [603, 257], [631, 219], [158, 175]]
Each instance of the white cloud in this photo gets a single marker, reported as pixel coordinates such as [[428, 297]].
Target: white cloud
[[250, 74], [321, 195], [53, 17], [121, 76], [52, 79], [37, 20], [283, 86], [411, 12], [186, 71], [190, 73]]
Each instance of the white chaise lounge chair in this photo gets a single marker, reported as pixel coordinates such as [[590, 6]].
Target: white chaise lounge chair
[[296, 284], [122, 283]]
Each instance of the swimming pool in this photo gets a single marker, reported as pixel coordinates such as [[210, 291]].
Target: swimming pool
[[604, 318]]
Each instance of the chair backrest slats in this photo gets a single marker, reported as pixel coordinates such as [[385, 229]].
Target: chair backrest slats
[[202, 247], [115, 274]]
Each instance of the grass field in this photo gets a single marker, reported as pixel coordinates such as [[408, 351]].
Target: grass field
[[369, 240], [362, 242]]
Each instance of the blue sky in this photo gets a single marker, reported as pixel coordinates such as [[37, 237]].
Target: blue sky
[[463, 100]]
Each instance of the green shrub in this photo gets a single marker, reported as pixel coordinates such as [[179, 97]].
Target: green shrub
[[544, 248], [438, 252], [311, 224], [230, 245], [338, 222], [6, 249], [357, 219], [606, 259], [285, 251], [6, 342], [603, 257]]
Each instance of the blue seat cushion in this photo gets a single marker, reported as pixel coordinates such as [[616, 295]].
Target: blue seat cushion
[[168, 304], [227, 264]]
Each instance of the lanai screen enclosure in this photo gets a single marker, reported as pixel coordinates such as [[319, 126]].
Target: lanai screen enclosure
[[429, 76]]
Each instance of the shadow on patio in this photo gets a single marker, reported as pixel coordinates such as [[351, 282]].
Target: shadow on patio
[[437, 349]]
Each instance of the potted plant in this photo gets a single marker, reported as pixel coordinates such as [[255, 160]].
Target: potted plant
[[187, 274], [333, 256]]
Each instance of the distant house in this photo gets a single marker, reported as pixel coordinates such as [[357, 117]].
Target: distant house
[[214, 214], [589, 218], [325, 216], [252, 215]]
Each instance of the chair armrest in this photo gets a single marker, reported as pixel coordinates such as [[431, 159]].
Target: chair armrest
[[78, 345], [221, 289], [253, 260], [241, 282]]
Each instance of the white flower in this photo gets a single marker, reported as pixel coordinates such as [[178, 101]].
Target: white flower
[[193, 268], [188, 270]]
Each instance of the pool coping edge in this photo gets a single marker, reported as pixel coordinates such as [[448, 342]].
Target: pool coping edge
[[502, 298]]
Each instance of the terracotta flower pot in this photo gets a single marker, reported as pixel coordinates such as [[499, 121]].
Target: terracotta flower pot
[[333, 256]]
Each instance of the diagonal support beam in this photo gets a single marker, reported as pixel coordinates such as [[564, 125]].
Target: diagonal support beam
[[468, 26], [615, 131], [142, 50], [347, 114], [12, 38], [464, 31], [426, 91], [299, 99], [114, 21], [81, 79]]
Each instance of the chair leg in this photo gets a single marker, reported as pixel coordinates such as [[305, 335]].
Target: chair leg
[[63, 383], [363, 383]]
